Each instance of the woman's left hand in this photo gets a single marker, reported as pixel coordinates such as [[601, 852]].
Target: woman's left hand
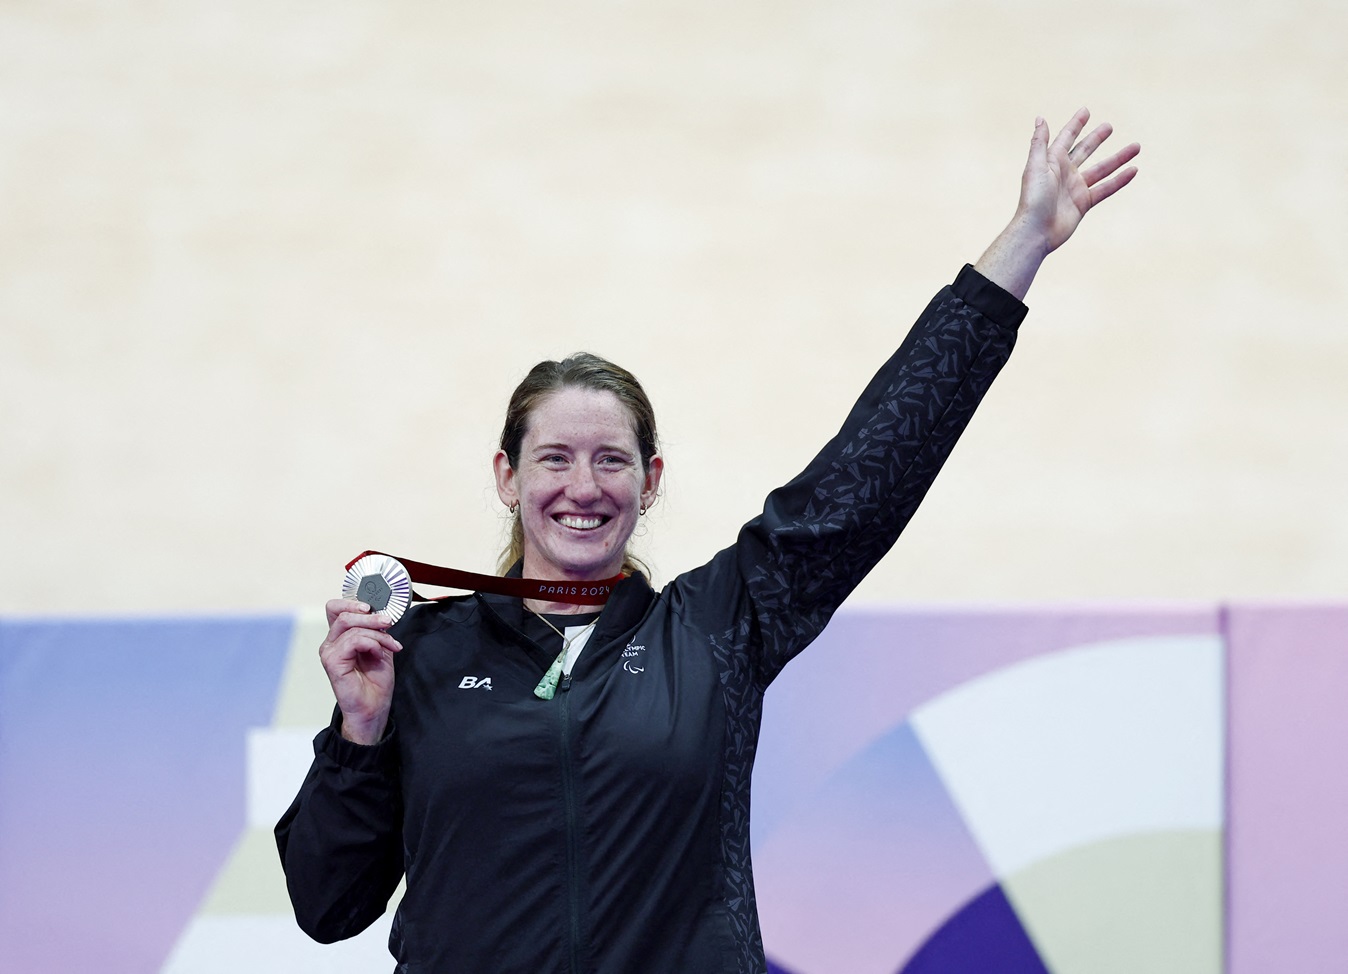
[[1057, 189], [1056, 192]]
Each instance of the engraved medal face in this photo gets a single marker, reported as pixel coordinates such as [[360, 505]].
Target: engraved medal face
[[374, 590], [380, 582]]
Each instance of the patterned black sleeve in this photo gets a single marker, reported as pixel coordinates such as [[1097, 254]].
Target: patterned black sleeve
[[821, 533]]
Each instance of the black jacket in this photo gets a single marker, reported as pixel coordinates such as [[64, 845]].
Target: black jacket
[[607, 830]]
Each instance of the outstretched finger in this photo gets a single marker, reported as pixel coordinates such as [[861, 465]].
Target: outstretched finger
[[1104, 190], [1105, 167], [1083, 149], [1068, 136], [1038, 146]]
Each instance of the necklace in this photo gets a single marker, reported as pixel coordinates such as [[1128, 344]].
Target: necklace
[[547, 687]]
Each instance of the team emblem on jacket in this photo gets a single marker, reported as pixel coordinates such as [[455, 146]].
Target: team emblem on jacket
[[634, 658], [474, 683]]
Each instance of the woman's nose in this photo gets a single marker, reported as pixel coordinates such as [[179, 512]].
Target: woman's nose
[[583, 485]]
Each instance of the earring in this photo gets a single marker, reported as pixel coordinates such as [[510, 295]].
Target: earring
[[514, 507], [641, 511]]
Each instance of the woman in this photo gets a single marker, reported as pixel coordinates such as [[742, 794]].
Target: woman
[[559, 810]]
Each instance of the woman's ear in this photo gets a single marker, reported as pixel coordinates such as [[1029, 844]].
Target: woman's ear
[[650, 490], [505, 479]]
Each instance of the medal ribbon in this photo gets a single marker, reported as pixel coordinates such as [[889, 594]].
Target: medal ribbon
[[573, 593]]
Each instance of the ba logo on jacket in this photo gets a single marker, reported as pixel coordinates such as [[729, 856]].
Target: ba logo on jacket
[[473, 683]]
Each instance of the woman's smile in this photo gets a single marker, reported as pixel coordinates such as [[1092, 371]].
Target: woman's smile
[[579, 484]]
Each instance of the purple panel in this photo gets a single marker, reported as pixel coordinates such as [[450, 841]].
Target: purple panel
[[1287, 854], [983, 938], [863, 872], [870, 670], [122, 763]]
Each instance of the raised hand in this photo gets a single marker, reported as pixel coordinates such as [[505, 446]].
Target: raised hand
[[1056, 192], [357, 655]]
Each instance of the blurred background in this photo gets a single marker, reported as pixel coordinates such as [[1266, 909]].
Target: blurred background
[[268, 273]]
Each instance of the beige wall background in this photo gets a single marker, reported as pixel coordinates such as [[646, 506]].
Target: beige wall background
[[268, 272]]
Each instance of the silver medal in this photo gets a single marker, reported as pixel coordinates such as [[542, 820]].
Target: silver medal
[[380, 582]]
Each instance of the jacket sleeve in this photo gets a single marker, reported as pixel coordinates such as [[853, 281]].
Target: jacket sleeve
[[819, 535], [341, 839]]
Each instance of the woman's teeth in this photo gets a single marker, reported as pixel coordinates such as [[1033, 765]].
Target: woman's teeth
[[579, 523]]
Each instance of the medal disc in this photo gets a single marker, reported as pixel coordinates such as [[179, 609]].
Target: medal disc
[[380, 582]]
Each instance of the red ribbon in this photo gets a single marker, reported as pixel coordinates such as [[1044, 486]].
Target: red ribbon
[[573, 593]]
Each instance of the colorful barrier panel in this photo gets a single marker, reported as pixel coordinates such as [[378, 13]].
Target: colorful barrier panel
[[1061, 790]]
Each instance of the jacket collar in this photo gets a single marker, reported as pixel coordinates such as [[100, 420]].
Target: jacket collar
[[625, 608]]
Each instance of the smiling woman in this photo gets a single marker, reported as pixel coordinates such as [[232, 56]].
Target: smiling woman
[[555, 810], [578, 453]]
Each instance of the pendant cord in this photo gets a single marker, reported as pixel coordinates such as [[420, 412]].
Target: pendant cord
[[547, 687]]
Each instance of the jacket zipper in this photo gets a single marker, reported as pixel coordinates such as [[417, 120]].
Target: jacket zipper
[[572, 838]]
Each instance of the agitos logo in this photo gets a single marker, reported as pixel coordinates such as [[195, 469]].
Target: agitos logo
[[634, 660]]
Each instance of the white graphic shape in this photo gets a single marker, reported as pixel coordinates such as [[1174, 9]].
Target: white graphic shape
[[1087, 744], [245, 922]]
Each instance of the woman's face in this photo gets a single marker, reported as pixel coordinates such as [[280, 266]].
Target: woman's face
[[579, 484]]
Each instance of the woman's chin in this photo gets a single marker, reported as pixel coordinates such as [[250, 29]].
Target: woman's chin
[[579, 567]]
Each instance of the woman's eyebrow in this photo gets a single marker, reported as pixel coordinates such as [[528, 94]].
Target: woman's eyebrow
[[602, 448]]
